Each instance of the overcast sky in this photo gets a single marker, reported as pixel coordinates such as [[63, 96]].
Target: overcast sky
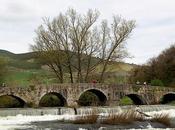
[[154, 32]]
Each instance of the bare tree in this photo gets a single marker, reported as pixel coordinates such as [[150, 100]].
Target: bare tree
[[75, 44], [49, 50], [114, 41]]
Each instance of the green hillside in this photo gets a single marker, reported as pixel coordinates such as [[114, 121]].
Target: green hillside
[[22, 61], [25, 69]]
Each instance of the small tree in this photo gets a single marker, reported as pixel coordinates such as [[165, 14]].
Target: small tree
[[73, 43]]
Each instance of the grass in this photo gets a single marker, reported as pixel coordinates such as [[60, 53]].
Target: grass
[[88, 99], [24, 78], [111, 119], [22, 65], [114, 78], [91, 118], [162, 118], [131, 116], [86, 119], [50, 100], [126, 101], [116, 67], [171, 103], [127, 117]]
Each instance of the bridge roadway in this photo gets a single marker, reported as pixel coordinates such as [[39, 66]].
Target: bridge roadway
[[108, 94]]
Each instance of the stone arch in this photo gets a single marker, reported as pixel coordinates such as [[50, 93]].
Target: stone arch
[[168, 97], [100, 94], [137, 99], [62, 99], [22, 102]]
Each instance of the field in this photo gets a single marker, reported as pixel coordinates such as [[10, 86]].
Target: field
[[25, 78]]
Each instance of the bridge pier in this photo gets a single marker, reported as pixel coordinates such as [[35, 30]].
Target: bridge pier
[[112, 103], [72, 103]]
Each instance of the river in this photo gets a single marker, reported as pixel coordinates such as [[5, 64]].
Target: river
[[57, 118]]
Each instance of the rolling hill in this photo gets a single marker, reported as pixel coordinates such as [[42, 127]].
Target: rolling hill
[[25, 69], [22, 61]]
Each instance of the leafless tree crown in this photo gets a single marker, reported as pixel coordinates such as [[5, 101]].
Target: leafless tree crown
[[74, 44]]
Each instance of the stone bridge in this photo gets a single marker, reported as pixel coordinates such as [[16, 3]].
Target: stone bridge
[[69, 94]]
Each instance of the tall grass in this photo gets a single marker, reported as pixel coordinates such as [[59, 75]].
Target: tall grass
[[162, 118], [86, 119], [90, 118], [126, 117], [122, 118]]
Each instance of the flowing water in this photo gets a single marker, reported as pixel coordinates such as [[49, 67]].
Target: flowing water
[[57, 118]]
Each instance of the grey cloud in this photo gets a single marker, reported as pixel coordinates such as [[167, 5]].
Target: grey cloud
[[155, 20], [14, 11]]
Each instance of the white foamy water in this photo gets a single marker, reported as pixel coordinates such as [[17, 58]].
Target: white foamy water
[[171, 112], [21, 121]]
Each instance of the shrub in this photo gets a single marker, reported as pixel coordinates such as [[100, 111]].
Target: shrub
[[88, 99], [161, 67], [157, 82], [50, 101], [171, 103], [9, 102], [30, 104]]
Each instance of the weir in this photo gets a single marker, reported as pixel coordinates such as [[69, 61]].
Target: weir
[[77, 111]]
